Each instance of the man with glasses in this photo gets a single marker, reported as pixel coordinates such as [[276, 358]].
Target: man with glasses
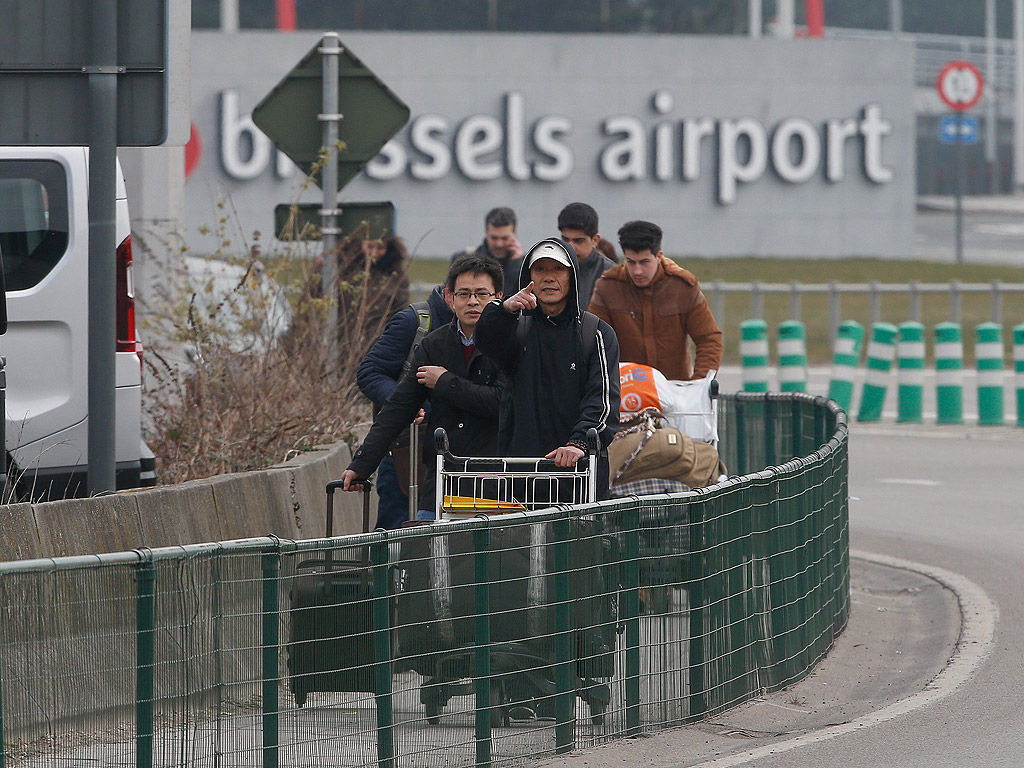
[[463, 387]]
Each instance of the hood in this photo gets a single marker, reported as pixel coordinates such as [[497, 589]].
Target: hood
[[439, 309], [574, 293]]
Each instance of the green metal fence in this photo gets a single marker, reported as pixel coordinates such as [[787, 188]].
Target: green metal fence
[[477, 642]]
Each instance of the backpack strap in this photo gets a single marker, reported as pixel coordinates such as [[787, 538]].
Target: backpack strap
[[422, 310], [588, 332]]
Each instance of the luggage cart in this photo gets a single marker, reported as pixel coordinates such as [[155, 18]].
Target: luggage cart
[[436, 607], [472, 486]]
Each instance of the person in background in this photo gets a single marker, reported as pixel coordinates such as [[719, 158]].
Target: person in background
[[463, 386], [372, 282], [656, 307], [501, 244], [577, 223], [377, 377]]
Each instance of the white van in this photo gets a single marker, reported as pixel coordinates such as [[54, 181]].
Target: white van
[[44, 237]]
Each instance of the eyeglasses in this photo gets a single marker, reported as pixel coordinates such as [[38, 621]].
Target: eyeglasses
[[479, 295]]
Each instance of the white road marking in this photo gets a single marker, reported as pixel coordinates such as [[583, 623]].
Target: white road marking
[[978, 617], [908, 481]]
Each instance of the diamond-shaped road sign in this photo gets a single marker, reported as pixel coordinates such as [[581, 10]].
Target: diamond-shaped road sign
[[372, 114]]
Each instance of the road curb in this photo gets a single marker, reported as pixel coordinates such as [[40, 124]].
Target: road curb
[[978, 617]]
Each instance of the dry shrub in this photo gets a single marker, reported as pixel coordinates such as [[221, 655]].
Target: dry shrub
[[226, 392]]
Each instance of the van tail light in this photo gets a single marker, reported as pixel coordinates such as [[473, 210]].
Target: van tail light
[[125, 308]]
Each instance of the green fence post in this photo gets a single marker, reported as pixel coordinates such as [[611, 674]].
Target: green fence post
[[881, 351], [949, 374], [792, 356], [145, 631], [988, 357], [846, 358], [696, 571], [271, 638], [769, 431], [381, 618], [754, 355], [3, 750], [482, 638], [910, 373], [630, 575], [565, 688], [1018, 366], [741, 437]]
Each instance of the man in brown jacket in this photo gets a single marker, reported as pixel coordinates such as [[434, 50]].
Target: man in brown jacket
[[656, 307]]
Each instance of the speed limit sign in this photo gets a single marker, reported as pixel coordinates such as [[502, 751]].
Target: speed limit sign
[[960, 85]]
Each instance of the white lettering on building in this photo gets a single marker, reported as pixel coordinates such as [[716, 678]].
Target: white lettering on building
[[484, 148]]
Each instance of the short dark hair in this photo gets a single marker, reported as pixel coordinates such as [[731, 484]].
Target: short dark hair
[[500, 217], [639, 236], [482, 265], [578, 216]]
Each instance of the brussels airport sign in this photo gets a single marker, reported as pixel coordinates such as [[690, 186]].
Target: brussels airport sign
[[482, 147]]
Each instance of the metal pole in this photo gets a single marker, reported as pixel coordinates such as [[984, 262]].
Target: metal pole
[[606, 16], [102, 74], [785, 19], [1018, 94], [228, 15], [959, 184], [330, 51], [895, 16], [991, 114], [271, 628], [755, 18]]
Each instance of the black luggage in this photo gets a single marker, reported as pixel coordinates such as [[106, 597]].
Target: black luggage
[[331, 640], [437, 609]]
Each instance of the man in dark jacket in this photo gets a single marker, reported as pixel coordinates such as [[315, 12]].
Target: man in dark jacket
[[560, 384], [577, 223], [377, 377], [500, 243], [463, 386]]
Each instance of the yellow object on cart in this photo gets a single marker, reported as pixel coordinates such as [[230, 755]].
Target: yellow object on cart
[[473, 504]]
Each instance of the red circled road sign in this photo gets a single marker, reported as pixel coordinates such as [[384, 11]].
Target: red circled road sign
[[960, 85]]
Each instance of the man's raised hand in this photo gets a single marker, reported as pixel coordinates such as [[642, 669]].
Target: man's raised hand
[[522, 300]]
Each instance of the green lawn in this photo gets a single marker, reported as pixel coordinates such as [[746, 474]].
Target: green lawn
[[814, 311]]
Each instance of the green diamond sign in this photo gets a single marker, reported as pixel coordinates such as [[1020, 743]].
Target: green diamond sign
[[371, 114]]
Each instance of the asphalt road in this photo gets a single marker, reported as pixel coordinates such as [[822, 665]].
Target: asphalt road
[[943, 500]]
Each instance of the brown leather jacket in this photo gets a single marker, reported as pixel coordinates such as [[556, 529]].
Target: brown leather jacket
[[653, 323]]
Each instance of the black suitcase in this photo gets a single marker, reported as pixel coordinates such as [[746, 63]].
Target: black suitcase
[[436, 613], [331, 640]]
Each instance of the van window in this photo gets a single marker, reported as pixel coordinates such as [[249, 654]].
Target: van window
[[33, 220]]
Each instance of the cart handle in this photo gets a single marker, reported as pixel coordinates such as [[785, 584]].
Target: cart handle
[[442, 445]]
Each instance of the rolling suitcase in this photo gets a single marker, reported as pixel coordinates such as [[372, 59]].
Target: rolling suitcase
[[330, 647]]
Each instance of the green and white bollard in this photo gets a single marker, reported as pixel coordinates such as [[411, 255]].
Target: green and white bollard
[[949, 374], [792, 356], [881, 352], [754, 354], [988, 356], [1018, 368], [910, 373], [846, 358]]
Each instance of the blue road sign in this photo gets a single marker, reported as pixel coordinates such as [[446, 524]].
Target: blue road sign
[[968, 129]]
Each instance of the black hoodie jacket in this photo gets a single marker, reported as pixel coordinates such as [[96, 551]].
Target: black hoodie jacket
[[554, 394]]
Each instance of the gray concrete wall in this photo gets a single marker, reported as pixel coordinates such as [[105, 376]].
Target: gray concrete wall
[[286, 500], [599, 119]]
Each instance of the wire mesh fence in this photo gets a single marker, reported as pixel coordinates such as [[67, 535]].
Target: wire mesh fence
[[484, 641]]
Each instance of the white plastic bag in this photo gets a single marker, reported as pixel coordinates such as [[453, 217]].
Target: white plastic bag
[[687, 405]]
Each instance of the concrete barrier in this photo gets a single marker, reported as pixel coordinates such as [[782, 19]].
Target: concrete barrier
[[286, 500]]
